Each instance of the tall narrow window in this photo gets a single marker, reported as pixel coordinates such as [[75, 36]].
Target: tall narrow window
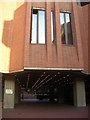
[[66, 29], [34, 26], [41, 27], [38, 27], [52, 26]]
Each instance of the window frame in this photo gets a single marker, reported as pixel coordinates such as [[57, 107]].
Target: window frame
[[37, 41], [66, 38]]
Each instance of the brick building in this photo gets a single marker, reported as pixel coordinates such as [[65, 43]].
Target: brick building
[[45, 46]]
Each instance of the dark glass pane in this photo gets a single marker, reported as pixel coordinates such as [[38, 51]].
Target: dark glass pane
[[69, 32], [62, 23]]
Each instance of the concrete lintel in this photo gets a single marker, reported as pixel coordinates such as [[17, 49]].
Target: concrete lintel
[[32, 68], [6, 72]]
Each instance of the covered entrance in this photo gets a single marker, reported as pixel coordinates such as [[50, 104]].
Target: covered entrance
[[56, 86]]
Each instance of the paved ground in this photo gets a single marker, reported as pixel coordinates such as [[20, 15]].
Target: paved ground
[[37, 109]]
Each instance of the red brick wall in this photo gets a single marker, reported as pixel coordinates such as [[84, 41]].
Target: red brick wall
[[83, 34], [70, 58], [18, 39], [52, 55], [23, 54]]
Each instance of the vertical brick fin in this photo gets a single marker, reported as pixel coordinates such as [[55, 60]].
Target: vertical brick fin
[[48, 34], [84, 35], [27, 35], [78, 33], [58, 35]]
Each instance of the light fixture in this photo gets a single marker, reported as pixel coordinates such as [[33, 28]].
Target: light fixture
[[41, 75], [58, 72]]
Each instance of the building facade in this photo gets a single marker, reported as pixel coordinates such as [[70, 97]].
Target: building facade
[[49, 39]]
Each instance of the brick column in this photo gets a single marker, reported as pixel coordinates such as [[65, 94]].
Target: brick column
[[58, 34], [48, 34]]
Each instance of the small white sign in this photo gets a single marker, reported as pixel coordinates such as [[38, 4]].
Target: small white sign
[[9, 91]]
